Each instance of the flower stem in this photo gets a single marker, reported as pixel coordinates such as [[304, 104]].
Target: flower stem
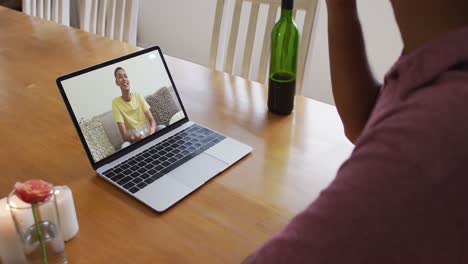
[[39, 234]]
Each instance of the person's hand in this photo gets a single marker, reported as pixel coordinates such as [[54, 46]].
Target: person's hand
[[139, 136]]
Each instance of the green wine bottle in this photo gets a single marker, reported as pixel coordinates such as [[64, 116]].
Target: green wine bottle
[[283, 62]]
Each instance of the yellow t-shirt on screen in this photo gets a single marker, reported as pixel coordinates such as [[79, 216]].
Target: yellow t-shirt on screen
[[132, 113]]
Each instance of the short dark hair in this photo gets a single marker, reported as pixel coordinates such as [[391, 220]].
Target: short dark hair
[[116, 69]]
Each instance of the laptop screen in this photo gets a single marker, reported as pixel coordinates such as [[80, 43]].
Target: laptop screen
[[118, 103]]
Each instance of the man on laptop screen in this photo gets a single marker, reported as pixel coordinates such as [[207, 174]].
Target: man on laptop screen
[[121, 111], [131, 112]]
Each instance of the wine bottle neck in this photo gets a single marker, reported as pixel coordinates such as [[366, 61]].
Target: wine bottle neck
[[287, 9], [286, 13]]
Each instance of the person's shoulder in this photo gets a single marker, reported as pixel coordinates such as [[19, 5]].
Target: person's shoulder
[[116, 100], [137, 94], [448, 91], [433, 111]]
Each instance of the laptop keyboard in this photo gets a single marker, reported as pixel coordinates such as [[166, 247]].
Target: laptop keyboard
[[141, 170]]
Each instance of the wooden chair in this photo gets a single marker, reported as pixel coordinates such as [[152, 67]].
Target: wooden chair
[[308, 6], [52, 10], [115, 19]]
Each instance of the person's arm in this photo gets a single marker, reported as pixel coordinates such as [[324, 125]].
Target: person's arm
[[151, 120], [125, 135], [354, 87], [378, 209]]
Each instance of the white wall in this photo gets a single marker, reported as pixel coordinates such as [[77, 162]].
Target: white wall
[[183, 29], [91, 94]]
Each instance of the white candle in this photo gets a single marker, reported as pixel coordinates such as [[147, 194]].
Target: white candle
[[11, 250], [66, 210]]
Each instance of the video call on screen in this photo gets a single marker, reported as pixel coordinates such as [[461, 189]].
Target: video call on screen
[[120, 104]]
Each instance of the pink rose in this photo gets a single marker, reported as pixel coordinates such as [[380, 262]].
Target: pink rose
[[33, 191]]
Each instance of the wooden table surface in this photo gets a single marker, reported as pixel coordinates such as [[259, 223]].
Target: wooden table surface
[[294, 157]]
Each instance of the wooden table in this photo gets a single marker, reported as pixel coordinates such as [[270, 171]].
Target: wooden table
[[294, 157]]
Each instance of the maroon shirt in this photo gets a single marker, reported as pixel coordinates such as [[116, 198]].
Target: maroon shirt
[[402, 196]]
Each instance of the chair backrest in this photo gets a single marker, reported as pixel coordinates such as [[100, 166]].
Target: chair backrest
[[115, 19], [307, 6], [52, 10]]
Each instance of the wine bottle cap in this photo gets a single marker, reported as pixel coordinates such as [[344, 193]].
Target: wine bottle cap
[[287, 4]]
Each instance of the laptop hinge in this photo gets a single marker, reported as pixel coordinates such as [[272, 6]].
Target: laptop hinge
[[103, 168]]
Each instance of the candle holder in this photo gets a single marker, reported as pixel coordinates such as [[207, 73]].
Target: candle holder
[[11, 250], [66, 212], [38, 227]]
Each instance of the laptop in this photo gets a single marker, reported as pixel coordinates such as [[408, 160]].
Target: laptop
[[164, 159]]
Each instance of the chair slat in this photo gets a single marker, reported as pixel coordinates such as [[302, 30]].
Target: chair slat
[[119, 17], [130, 22], [266, 42], [304, 44], [64, 12], [246, 61], [101, 18], [33, 8], [47, 9], [233, 37], [110, 20], [85, 14], [93, 16], [26, 7], [116, 19], [215, 35], [40, 9], [60, 8], [55, 11]]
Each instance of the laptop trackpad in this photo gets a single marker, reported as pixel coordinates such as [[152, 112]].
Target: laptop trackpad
[[163, 193], [198, 170], [229, 150]]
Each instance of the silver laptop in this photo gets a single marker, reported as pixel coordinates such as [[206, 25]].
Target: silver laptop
[[136, 132]]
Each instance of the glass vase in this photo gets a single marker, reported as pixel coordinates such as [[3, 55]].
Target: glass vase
[[38, 227]]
